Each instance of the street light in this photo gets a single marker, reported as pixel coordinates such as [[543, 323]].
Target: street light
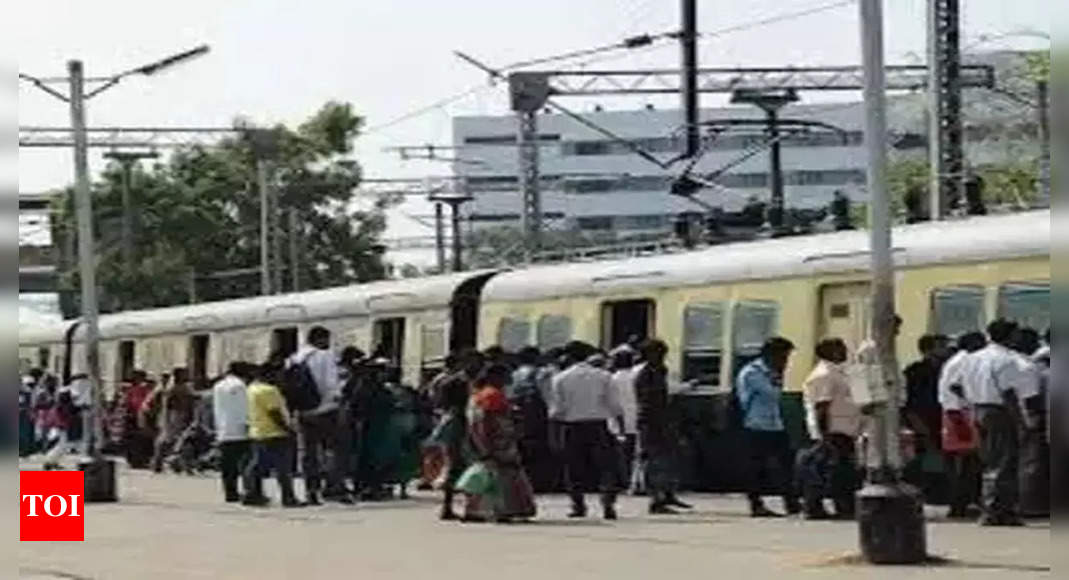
[[99, 471]]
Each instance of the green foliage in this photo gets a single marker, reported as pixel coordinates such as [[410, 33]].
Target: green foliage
[[1038, 65], [198, 213]]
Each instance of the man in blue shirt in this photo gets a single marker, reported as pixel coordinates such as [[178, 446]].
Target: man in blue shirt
[[758, 388]]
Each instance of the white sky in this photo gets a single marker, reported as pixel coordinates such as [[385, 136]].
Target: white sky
[[275, 60]]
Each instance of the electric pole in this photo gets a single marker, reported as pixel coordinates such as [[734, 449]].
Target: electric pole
[[294, 228], [439, 234], [771, 101], [127, 160], [278, 255], [454, 201], [945, 145], [890, 514], [688, 41], [262, 179], [264, 143], [83, 202], [1043, 100]]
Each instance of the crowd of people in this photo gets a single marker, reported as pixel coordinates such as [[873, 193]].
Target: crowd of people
[[498, 427]]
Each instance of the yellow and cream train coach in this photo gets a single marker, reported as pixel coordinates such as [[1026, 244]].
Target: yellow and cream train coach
[[713, 306]]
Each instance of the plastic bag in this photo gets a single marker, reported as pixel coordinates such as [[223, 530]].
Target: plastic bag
[[478, 480], [959, 432]]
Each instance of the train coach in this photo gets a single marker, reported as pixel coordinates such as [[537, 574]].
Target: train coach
[[713, 306], [412, 322]]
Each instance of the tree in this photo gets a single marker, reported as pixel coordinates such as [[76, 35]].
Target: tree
[[197, 217]]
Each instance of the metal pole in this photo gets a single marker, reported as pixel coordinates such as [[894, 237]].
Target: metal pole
[[295, 241], [265, 228], [775, 155], [529, 185], [86, 261], [278, 258], [439, 234], [127, 217], [891, 517], [1043, 98], [458, 259], [688, 40], [945, 149]]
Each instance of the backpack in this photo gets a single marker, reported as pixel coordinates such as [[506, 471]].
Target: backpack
[[299, 388]]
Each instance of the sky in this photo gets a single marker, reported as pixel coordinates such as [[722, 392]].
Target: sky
[[278, 61]]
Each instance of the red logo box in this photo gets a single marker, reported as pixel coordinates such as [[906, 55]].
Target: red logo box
[[51, 506]]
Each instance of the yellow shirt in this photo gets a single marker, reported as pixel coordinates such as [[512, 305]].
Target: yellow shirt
[[263, 398]]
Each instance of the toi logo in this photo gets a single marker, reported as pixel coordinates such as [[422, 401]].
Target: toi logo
[[51, 506]]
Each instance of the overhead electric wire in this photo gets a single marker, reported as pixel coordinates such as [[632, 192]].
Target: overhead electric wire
[[439, 104]]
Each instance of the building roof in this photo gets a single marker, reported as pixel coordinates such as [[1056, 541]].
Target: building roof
[[1007, 236]]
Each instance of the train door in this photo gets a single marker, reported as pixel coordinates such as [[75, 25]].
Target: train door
[[126, 360], [844, 312], [464, 313], [626, 320], [388, 339], [198, 364], [284, 340]]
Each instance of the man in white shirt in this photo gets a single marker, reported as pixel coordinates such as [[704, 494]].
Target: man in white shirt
[[583, 400], [230, 410], [994, 388], [321, 430], [1035, 448], [959, 439], [833, 421]]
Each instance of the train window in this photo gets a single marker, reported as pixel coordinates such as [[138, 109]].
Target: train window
[[388, 339], [513, 334], [198, 367], [284, 340], [755, 322], [432, 343], [625, 320], [554, 331], [957, 310], [703, 338], [1027, 304], [126, 360]]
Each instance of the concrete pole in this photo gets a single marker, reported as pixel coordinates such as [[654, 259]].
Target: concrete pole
[[278, 257], [439, 234], [295, 249], [529, 182], [265, 227], [890, 515], [127, 216], [1043, 99], [458, 241], [86, 258]]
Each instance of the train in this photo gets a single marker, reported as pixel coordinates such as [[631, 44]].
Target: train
[[713, 306]]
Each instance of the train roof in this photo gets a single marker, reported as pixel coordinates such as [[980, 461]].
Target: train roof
[[966, 240], [377, 298]]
